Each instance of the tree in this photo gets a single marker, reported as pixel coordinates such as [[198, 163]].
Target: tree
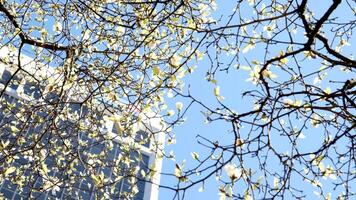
[[88, 63], [289, 48], [119, 56]]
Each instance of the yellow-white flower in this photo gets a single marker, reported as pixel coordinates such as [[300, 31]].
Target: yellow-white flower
[[267, 73], [10, 170], [174, 61], [327, 90], [135, 189], [14, 129], [269, 29], [248, 47], [170, 113], [328, 196], [248, 197], [290, 103], [86, 35], [195, 155], [120, 30], [57, 27], [344, 43], [254, 75], [179, 106], [156, 71], [309, 55], [316, 183], [275, 183], [232, 171], [301, 136], [217, 91], [222, 193], [178, 171], [43, 32], [201, 189], [314, 120]]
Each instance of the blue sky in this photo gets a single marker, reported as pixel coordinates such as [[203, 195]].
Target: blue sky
[[232, 85]]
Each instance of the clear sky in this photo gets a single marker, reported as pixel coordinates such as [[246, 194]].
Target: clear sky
[[232, 85]]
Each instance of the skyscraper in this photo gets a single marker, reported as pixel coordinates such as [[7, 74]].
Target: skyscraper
[[50, 150]]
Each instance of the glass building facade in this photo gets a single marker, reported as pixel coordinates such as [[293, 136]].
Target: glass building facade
[[80, 182]]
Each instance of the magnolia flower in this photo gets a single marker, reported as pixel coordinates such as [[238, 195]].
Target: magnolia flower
[[170, 94], [317, 80], [43, 32], [171, 140], [14, 129], [238, 142], [267, 73], [120, 30], [248, 47], [342, 43], [174, 61], [255, 74], [199, 55], [179, 106], [309, 55], [283, 61], [178, 171], [55, 189], [225, 192], [248, 197], [156, 70], [202, 188], [9, 170], [314, 121], [275, 183], [217, 91], [290, 103], [86, 35], [222, 195], [135, 189], [329, 172], [170, 113], [328, 196], [316, 183], [232, 171], [327, 90], [301, 136], [195, 155], [57, 27], [269, 30]]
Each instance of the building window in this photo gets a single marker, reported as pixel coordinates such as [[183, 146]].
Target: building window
[[141, 137], [32, 89], [83, 187], [6, 76]]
